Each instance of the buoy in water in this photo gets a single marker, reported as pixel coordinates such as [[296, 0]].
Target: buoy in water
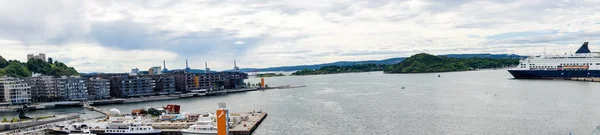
[[402, 88], [439, 76]]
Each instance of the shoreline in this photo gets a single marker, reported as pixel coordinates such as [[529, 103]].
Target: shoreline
[[408, 73], [64, 104]]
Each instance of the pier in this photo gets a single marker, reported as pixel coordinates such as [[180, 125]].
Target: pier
[[244, 123], [248, 127], [586, 79], [30, 125]]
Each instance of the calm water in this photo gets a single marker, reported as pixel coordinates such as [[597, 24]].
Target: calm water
[[478, 102]]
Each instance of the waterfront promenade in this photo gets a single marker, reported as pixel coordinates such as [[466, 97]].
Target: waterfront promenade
[[49, 105], [31, 125]]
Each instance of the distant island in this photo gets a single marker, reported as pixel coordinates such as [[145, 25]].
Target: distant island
[[423, 63], [269, 75], [427, 63], [389, 61], [342, 69], [15, 68]]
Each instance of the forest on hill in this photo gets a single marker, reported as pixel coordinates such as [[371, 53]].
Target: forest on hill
[[420, 63], [15, 68], [427, 63]]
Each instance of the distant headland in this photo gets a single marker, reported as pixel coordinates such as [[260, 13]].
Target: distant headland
[[424, 63]]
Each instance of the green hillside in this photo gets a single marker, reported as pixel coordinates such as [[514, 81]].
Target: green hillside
[[15, 68], [341, 69], [427, 63]]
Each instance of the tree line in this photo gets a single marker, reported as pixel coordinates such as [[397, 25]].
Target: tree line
[[15, 68], [418, 63], [427, 63], [342, 69]]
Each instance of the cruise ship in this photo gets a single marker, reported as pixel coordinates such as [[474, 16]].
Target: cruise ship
[[583, 63]]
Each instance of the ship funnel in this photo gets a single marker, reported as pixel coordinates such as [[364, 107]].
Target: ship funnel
[[584, 48]]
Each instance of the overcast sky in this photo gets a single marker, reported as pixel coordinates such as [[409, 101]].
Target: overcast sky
[[115, 36]]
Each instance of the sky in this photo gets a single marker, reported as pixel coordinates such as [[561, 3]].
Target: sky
[[118, 35]]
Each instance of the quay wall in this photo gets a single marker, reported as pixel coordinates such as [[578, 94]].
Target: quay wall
[[18, 125], [586, 79]]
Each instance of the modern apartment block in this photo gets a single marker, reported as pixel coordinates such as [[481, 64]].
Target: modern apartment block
[[43, 88], [98, 88], [183, 81], [73, 88], [40, 56], [222, 80], [131, 86], [164, 84], [14, 91]]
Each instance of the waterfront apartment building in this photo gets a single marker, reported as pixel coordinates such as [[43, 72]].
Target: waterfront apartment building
[[154, 71], [131, 86], [98, 88], [43, 88], [222, 80], [40, 56], [182, 81], [186, 82], [72, 88], [14, 91], [164, 84]]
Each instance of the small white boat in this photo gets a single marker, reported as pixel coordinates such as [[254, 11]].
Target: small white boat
[[204, 126]]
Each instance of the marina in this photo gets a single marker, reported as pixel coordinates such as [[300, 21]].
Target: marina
[[170, 122], [145, 121]]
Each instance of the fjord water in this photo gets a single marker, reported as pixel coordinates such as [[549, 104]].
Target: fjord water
[[475, 102]]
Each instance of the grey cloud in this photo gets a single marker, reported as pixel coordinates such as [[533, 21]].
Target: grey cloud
[[126, 34], [555, 38], [63, 22], [53, 22], [283, 53]]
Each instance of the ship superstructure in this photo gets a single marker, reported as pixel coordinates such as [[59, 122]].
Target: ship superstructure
[[583, 63]]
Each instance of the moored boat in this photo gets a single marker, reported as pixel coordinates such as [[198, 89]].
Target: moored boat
[[204, 126], [583, 63], [133, 129]]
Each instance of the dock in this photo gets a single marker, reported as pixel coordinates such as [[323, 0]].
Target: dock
[[35, 124], [586, 79], [241, 126], [248, 127]]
